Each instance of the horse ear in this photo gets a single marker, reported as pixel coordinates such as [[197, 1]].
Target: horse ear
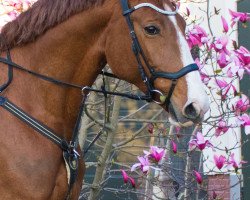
[[176, 3]]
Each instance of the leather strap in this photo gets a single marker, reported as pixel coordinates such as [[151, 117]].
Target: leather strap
[[10, 74], [70, 154]]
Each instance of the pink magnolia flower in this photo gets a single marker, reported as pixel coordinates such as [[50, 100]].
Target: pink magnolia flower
[[205, 78], [143, 164], [174, 147], [156, 154], [15, 7], [220, 45], [225, 88], [244, 121], [225, 24], [230, 72], [221, 128], [20, 5], [16, 4], [221, 83], [178, 132], [223, 60], [127, 178], [233, 163], [198, 177], [243, 58], [197, 37], [219, 161], [199, 64], [13, 15], [241, 105], [236, 70], [238, 16], [199, 142], [177, 129]]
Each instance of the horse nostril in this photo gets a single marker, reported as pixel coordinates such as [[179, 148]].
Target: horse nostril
[[192, 111]]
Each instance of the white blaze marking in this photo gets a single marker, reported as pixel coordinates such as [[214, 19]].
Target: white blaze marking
[[196, 91]]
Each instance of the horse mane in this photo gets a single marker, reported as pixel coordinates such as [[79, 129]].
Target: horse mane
[[43, 15]]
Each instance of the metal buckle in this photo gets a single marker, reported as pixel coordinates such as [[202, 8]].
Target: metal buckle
[[85, 88], [158, 92], [72, 148]]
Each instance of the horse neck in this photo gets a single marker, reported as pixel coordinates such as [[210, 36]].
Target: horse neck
[[73, 52]]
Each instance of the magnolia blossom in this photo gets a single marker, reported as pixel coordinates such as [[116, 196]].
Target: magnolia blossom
[[198, 177], [219, 161], [241, 105], [205, 78], [224, 24], [235, 70], [221, 83], [178, 132], [19, 5], [155, 153], [199, 142], [143, 164], [225, 88], [243, 58], [10, 9], [220, 45], [233, 163], [244, 121], [199, 64], [223, 60], [174, 146], [221, 128], [197, 37], [238, 16], [127, 178]]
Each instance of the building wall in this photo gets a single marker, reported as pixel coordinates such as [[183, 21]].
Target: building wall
[[244, 39]]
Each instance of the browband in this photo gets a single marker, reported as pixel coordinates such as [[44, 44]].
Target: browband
[[164, 12]]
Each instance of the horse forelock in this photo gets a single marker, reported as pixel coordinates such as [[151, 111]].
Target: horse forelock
[[42, 16]]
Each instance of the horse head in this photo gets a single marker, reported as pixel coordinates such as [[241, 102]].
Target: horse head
[[159, 61]]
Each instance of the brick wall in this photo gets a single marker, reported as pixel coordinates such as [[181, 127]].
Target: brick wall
[[220, 184]]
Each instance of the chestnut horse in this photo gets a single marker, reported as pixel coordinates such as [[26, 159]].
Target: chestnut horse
[[71, 41]]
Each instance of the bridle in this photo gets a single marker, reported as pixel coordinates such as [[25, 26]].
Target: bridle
[[70, 154], [138, 52]]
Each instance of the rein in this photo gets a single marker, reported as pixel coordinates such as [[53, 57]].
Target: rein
[[70, 153], [12, 65]]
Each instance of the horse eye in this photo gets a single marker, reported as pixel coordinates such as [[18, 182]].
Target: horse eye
[[152, 30]]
